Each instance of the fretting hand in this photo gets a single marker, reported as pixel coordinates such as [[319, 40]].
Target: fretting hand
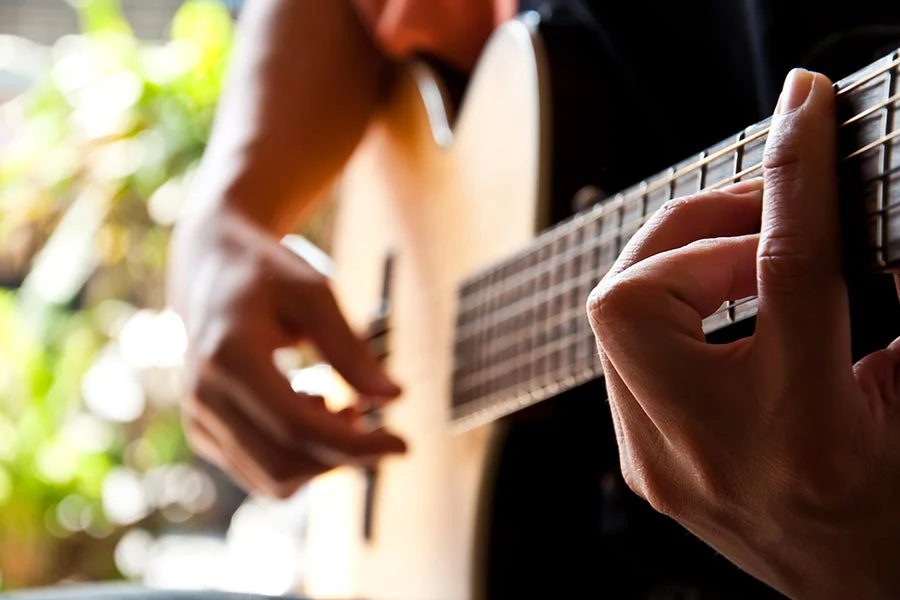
[[775, 449]]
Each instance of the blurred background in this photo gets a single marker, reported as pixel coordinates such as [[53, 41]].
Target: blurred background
[[105, 108]]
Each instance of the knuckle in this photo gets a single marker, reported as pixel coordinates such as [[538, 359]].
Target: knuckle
[[662, 501], [784, 265], [706, 245], [675, 206], [632, 477], [650, 485], [613, 301], [687, 207]]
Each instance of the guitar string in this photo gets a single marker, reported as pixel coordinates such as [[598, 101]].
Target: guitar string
[[551, 381], [646, 188], [599, 212], [563, 375], [591, 245], [561, 345], [665, 180]]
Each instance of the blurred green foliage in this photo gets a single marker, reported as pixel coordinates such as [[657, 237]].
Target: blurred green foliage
[[98, 159]]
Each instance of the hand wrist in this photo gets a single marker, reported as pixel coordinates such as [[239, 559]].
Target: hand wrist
[[246, 196]]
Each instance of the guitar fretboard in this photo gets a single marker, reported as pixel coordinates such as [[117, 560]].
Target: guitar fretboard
[[522, 332]]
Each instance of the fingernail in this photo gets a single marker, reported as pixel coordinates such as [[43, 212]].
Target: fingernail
[[744, 187], [797, 86]]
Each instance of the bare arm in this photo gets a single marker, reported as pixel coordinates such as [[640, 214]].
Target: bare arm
[[304, 81]]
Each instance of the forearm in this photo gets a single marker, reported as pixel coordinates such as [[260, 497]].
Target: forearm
[[303, 83]]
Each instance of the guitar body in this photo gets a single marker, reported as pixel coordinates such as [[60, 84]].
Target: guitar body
[[525, 500], [443, 207]]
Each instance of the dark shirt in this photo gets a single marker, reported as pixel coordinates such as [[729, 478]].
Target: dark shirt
[[682, 76]]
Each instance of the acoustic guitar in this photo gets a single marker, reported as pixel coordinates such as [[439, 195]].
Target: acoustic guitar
[[445, 233]]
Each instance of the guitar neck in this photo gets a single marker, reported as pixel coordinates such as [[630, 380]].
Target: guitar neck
[[522, 334]]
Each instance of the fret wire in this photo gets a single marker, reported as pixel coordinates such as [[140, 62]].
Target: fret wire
[[534, 308], [688, 169], [620, 217], [507, 345], [593, 242], [486, 307], [579, 334], [737, 148], [515, 280], [599, 240], [505, 313], [758, 134], [736, 177], [554, 306], [598, 271], [562, 343], [670, 180], [738, 156], [885, 165], [487, 371], [870, 77], [879, 142], [643, 196], [736, 166], [482, 340], [502, 343], [503, 310], [671, 184], [873, 109], [692, 167], [701, 184]]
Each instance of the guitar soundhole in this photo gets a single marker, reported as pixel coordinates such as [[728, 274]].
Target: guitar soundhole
[[563, 524]]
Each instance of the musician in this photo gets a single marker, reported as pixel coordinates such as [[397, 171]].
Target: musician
[[776, 450]]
